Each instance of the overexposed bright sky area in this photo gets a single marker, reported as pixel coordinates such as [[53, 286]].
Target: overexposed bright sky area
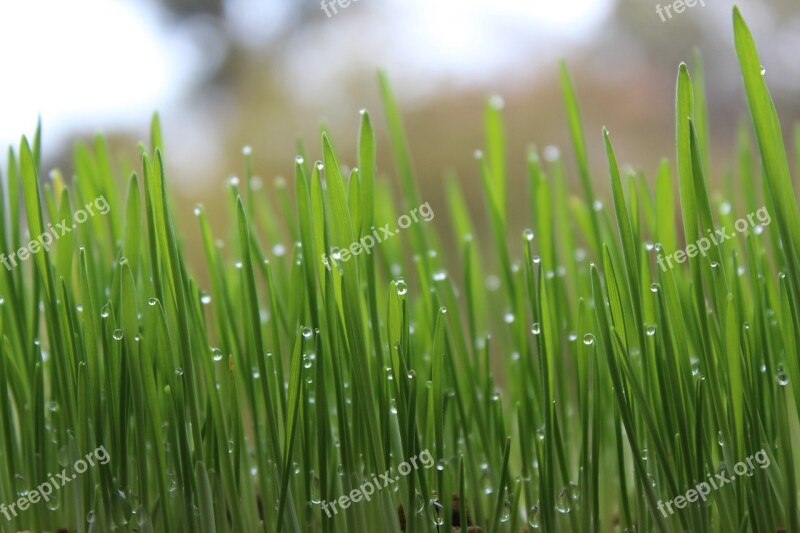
[[86, 65]]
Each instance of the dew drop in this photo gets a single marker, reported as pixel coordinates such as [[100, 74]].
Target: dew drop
[[205, 299], [440, 275], [781, 377], [650, 330], [179, 372], [506, 512], [508, 317], [402, 288], [315, 488], [763, 70], [152, 301], [563, 503], [654, 288], [533, 517], [216, 354], [588, 339], [536, 328], [528, 235], [118, 334], [306, 332]]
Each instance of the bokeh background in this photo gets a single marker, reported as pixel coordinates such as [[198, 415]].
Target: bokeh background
[[228, 73]]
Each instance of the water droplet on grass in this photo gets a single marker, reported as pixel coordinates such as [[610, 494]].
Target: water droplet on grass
[[528, 235], [588, 339], [118, 334], [563, 503], [216, 354], [402, 288], [533, 517], [506, 512], [781, 377], [536, 328]]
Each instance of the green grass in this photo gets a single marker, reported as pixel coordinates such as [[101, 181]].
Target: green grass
[[575, 390]]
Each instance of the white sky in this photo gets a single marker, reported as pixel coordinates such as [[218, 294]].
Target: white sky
[[93, 64]]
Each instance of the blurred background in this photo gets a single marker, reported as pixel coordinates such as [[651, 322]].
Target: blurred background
[[228, 73]]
